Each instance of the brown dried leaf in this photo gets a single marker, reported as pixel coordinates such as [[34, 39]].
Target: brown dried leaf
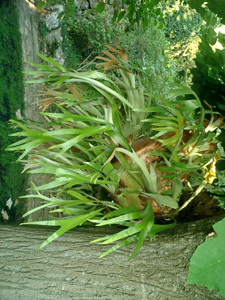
[[16, 202], [113, 49], [45, 103], [123, 55], [74, 91], [104, 58], [115, 60]]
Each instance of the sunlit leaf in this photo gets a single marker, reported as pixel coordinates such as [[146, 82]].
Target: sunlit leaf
[[41, 5]]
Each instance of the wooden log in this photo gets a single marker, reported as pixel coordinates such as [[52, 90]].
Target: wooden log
[[69, 268]]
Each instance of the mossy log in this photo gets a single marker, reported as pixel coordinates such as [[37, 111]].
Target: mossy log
[[69, 268]]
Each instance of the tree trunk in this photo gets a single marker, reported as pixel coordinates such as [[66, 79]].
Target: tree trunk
[[69, 268]]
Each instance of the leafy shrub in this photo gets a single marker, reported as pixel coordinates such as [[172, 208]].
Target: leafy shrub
[[12, 183], [208, 75], [73, 57], [112, 153], [91, 34], [181, 22], [182, 29], [146, 46]]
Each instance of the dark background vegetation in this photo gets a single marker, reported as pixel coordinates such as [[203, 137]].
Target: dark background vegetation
[[12, 182]]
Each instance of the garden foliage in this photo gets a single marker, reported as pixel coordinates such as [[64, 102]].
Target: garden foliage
[[182, 23], [182, 30], [12, 183], [146, 47]]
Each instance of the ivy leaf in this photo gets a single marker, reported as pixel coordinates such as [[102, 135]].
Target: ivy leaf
[[208, 262]]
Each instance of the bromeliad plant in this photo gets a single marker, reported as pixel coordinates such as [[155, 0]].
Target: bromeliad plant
[[114, 152]]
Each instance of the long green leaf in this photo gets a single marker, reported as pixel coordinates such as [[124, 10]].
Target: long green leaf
[[125, 233], [120, 219], [52, 61], [149, 219], [147, 178], [120, 211], [65, 224], [123, 243], [163, 199]]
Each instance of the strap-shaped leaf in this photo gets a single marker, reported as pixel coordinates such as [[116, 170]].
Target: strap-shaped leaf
[[163, 199], [53, 62], [65, 224], [146, 176]]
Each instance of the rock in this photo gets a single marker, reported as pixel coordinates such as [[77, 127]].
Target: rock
[[51, 19]]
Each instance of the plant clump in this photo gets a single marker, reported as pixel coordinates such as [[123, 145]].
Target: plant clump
[[114, 152]]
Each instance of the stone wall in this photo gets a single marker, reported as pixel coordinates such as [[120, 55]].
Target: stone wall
[[84, 5], [29, 24], [53, 34], [28, 19]]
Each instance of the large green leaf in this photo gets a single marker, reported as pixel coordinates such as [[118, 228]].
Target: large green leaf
[[208, 262]]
